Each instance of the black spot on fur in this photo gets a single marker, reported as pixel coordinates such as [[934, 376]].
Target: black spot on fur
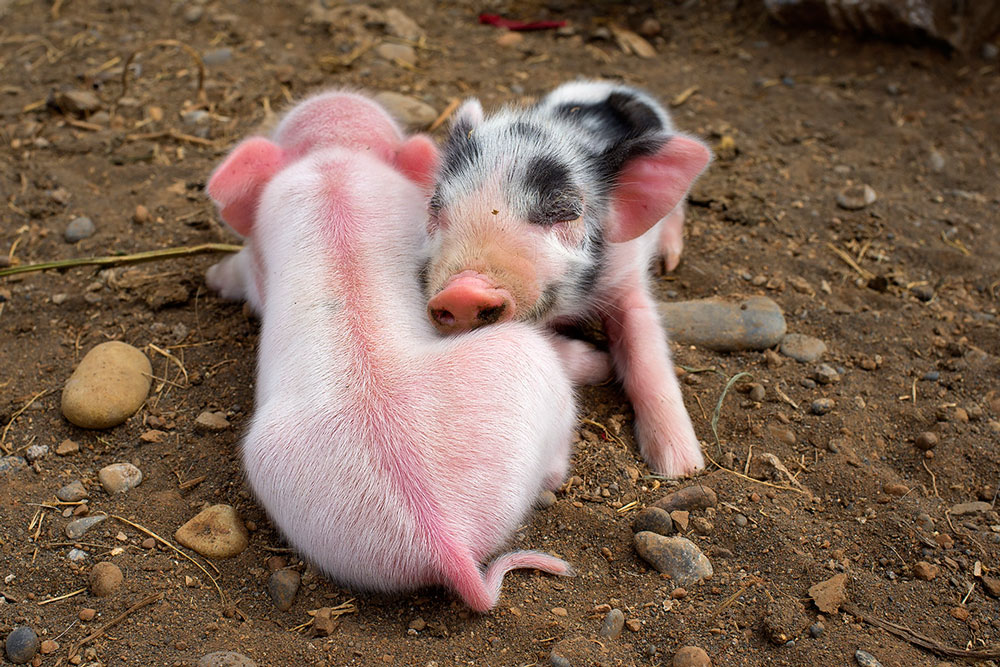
[[620, 116], [461, 149], [526, 130], [544, 304], [558, 199], [598, 258]]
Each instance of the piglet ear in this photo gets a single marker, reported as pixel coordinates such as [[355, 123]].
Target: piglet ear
[[469, 115], [418, 159], [236, 184], [650, 186]]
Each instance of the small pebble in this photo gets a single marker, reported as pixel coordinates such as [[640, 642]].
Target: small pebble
[[895, 489], [653, 519], [282, 586], [866, 659], [194, 13], [975, 507], [855, 197], [740, 520], [400, 52], [72, 492], [935, 161], [36, 453], [924, 570], [409, 111], [218, 56], [690, 498], [196, 117], [757, 392], [105, 579], [21, 645], [48, 646], [650, 28], [211, 421], [989, 51], [76, 528], [86, 614], [801, 347], [80, 102], [545, 500], [79, 229], [77, 555], [141, 215], [922, 292], [119, 477], [678, 557], [215, 532], [67, 447], [826, 374], [692, 656], [815, 630], [8, 463], [821, 406], [931, 376], [225, 659], [926, 441]]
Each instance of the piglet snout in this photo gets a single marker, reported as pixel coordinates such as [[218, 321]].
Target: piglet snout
[[468, 301]]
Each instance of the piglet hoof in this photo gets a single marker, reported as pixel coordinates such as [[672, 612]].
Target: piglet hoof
[[674, 459], [226, 279]]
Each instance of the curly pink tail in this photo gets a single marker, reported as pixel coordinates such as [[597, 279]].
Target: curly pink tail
[[481, 591]]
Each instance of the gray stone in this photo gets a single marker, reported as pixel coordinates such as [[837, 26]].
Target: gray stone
[[193, 14], [282, 587], [407, 110], [825, 374], [755, 323], [9, 463], [821, 406], [36, 452], [119, 477], [801, 347], [678, 557], [397, 52], [977, 507], [76, 555], [79, 229], [935, 161], [866, 659], [400, 25], [225, 659], [218, 56], [612, 624], [72, 492], [655, 520], [76, 528], [690, 498], [21, 645], [856, 197], [196, 117]]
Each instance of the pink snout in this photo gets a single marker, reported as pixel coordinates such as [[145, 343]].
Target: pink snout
[[468, 301]]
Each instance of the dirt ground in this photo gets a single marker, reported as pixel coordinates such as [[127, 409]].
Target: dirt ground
[[910, 323]]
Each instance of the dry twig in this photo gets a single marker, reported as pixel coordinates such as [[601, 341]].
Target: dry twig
[[114, 621], [135, 258], [923, 641]]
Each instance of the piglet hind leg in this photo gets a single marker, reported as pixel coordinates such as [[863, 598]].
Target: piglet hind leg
[[641, 355], [583, 363]]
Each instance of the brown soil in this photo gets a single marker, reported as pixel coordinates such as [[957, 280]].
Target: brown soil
[[807, 114]]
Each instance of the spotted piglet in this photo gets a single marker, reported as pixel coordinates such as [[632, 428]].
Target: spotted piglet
[[389, 456], [555, 212]]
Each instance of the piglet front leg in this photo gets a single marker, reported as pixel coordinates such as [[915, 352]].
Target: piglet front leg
[[233, 278], [641, 357], [671, 241]]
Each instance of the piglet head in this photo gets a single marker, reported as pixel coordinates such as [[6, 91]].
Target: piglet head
[[236, 185]]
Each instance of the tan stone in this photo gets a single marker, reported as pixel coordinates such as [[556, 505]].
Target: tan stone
[[108, 387], [215, 532]]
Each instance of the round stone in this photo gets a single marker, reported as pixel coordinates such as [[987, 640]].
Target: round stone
[[108, 387], [72, 492], [119, 477], [545, 500], [105, 579], [678, 557], [410, 112], [225, 659], [21, 645], [613, 623], [926, 441], [655, 520], [756, 323], [215, 532], [855, 197], [79, 229], [282, 587], [802, 348], [692, 656]]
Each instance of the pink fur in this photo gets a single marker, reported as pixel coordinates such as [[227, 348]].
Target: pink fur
[[390, 457]]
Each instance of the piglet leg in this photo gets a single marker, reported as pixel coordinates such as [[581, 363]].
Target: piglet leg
[[582, 362], [641, 356], [232, 278], [671, 241]]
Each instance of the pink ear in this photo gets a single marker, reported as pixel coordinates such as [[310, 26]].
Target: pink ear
[[236, 184], [417, 158], [649, 187]]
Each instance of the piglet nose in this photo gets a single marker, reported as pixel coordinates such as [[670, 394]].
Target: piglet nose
[[467, 302]]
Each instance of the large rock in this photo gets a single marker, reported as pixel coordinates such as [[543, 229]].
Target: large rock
[[677, 556], [755, 323], [215, 532], [108, 386]]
